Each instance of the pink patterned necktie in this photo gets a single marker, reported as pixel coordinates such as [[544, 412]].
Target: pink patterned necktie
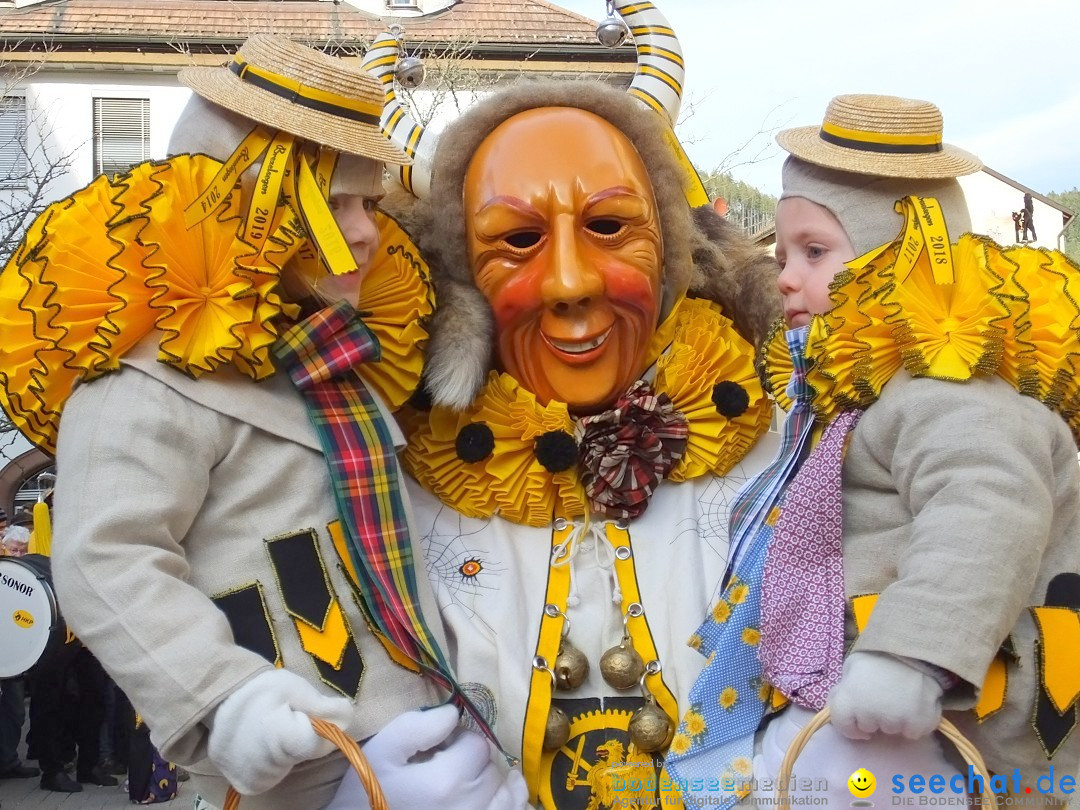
[[802, 600]]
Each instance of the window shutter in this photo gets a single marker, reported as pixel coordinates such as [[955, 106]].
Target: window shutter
[[121, 133], [13, 168]]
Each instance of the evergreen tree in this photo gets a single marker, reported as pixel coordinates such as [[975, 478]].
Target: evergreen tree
[[1071, 200]]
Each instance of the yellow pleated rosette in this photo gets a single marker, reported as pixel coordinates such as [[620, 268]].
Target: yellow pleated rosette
[[59, 319], [952, 331], [101, 269], [431, 458], [707, 351], [851, 348], [214, 301], [776, 365], [397, 298], [1043, 344], [524, 491]]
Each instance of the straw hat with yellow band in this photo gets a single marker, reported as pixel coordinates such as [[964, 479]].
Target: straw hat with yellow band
[[308, 96], [885, 136]]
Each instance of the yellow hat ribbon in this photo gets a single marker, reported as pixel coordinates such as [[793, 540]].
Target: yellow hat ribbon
[[242, 158], [325, 101]]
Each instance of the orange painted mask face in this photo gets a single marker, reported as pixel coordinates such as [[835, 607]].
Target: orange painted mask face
[[565, 243]]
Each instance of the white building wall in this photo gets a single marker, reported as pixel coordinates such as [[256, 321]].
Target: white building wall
[[992, 201], [60, 111]]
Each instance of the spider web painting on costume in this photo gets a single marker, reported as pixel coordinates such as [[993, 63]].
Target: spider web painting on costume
[[459, 563]]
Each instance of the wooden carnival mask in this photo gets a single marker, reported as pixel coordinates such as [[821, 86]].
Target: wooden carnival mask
[[565, 243]]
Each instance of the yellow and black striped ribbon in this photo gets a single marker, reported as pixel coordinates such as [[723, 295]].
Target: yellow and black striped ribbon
[[880, 142], [313, 98]]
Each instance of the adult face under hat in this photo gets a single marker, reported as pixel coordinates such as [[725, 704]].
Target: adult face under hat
[[290, 87], [885, 136]]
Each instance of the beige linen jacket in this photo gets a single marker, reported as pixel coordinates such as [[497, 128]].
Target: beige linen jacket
[[171, 491], [961, 503]]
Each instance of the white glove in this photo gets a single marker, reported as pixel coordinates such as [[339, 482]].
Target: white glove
[[878, 692], [260, 731], [422, 759]]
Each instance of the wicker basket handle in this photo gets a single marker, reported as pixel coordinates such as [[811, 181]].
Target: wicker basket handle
[[351, 749], [967, 750]]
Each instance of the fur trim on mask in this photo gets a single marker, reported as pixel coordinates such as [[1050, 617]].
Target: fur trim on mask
[[730, 270]]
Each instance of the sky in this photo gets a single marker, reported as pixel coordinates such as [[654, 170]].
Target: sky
[[1005, 75]]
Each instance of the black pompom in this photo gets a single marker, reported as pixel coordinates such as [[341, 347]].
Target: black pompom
[[474, 442], [556, 451], [420, 399], [730, 399]]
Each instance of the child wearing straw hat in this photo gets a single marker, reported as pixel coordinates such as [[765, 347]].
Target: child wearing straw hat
[[913, 552], [221, 544]]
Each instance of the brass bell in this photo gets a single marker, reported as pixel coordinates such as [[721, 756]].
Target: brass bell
[[650, 728], [622, 666], [558, 729], [571, 666]]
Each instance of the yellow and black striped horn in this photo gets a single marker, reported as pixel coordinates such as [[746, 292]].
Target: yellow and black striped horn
[[661, 71], [381, 61], [659, 79]]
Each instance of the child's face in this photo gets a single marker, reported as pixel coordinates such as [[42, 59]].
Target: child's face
[[811, 247], [355, 215]]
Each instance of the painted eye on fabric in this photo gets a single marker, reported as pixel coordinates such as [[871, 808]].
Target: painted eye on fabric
[[471, 568]]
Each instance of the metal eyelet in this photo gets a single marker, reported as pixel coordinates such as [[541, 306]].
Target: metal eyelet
[[560, 524], [622, 524], [623, 552], [634, 609]]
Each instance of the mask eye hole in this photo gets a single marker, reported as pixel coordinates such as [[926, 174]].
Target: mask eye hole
[[604, 226], [523, 240]]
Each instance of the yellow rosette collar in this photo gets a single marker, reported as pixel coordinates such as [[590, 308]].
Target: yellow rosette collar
[[485, 460], [102, 269], [948, 312]]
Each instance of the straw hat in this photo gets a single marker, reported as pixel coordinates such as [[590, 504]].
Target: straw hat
[[880, 135], [288, 86]]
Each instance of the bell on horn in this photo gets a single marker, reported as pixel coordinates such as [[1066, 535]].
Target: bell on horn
[[611, 32], [410, 72]]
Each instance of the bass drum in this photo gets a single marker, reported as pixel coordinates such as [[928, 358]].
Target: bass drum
[[32, 630]]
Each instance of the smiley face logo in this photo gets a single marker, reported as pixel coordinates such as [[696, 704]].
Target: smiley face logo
[[862, 784]]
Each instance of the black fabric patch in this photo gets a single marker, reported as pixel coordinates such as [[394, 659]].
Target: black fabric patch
[[1064, 591], [246, 611], [300, 574], [1051, 728], [474, 442], [556, 451], [346, 679], [1008, 650], [730, 398]]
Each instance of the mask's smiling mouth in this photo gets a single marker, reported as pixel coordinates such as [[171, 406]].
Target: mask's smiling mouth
[[579, 347]]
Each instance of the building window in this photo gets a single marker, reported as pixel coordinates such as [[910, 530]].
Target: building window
[[13, 166], [121, 133], [402, 3]]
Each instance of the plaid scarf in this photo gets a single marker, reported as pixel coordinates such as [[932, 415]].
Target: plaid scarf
[[320, 355]]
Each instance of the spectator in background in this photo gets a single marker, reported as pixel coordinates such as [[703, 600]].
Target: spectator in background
[[1029, 218]]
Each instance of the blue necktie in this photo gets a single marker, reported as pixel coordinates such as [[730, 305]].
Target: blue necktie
[[712, 751]]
